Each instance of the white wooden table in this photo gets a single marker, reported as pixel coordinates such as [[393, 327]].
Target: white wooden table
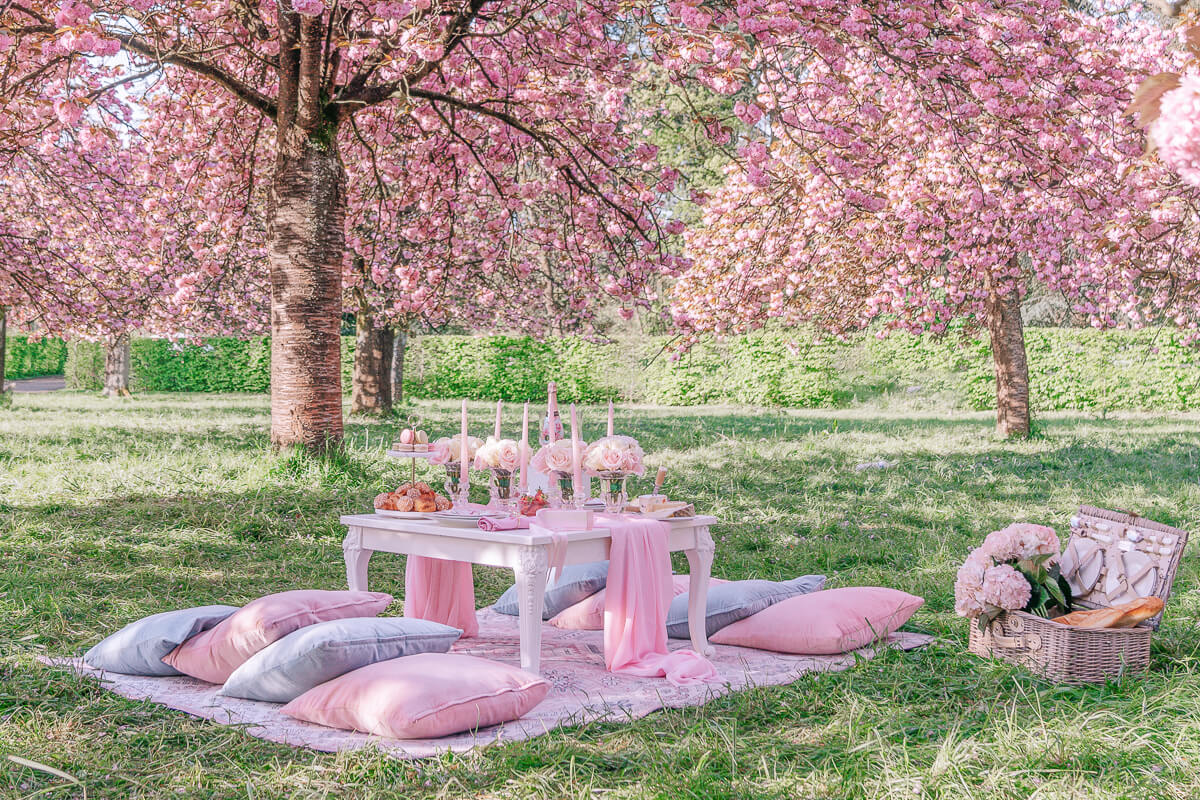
[[527, 555]]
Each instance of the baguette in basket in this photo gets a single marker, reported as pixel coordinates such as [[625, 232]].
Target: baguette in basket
[[1125, 615]]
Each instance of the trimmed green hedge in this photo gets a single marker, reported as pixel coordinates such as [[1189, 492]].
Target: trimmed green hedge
[[25, 358], [1069, 369]]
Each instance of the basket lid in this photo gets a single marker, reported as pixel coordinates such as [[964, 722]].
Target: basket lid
[[1114, 557]]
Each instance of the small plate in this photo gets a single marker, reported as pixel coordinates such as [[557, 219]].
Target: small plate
[[465, 520], [383, 512]]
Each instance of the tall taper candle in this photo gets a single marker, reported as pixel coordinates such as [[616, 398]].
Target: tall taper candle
[[610, 418], [523, 486], [576, 454], [496, 432], [463, 451]]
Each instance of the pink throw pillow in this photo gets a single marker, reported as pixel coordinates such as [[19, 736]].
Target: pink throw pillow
[[588, 613], [213, 655], [424, 696], [823, 623]]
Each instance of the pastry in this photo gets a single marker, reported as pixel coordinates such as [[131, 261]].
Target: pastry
[[405, 443], [384, 501], [442, 503], [421, 438], [1092, 619], [425, 504], [1138, 611], [423, 488], [405, 503]]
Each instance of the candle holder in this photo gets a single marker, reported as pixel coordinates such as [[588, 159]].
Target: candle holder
[[501, 489], [455, 490], [612, 491]]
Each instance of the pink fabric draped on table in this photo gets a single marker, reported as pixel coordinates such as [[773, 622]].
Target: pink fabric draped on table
[[636, 602], [442, 591], [635, 610]]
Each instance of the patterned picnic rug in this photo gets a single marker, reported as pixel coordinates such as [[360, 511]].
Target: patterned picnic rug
[[572, 661]]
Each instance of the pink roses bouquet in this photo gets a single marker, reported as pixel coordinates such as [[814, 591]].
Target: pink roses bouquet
[[553, 457], [1015, 569], [499, 454], [614, 454]]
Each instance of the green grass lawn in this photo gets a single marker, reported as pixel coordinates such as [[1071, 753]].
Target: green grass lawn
[[111, 510]]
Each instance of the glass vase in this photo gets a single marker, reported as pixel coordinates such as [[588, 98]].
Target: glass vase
[[502, 490], [454, 488], [612, 491], [559, 491]]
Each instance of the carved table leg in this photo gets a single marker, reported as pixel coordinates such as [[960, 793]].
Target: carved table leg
[[532, 565], [357, 560], [700, 565]]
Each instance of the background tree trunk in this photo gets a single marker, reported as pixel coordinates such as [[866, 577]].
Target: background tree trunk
[[399, 348], [1008, 352], [371, 391], [3, 344], [116, 367], [306, 240]]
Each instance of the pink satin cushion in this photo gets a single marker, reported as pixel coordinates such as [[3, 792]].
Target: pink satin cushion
[[588, 614], [213, 655], [823, 623], [424, 696]]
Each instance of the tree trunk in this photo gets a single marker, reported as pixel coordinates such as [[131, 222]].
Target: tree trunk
[[372, 387], [1008, 352], [306, 240], [116, 367], [399, 348], [3, 345]]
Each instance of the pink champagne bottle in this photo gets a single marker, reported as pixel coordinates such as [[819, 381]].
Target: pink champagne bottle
[[552, 427]]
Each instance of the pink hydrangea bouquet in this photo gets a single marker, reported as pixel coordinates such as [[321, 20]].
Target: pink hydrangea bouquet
[[501, 454], [1015, 569], [553, 457], [614, 454], [447, 450]]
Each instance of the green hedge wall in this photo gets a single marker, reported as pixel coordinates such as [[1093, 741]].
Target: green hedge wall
[[1069, 369], [25, 358]]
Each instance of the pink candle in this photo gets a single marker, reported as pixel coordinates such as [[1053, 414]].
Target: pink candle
[[576, 455], [496, 433], [463, 451], [523, 486], [610, 418]]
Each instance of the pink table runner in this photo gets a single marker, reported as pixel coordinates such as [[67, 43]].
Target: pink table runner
[[637, 597], [636, 602]]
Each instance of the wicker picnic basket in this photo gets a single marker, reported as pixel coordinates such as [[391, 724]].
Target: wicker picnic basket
[[1111, 557]]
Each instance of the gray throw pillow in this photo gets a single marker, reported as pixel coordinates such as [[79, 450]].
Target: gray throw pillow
[[577, 582], [729, 602], [139, 647], [286, 669]]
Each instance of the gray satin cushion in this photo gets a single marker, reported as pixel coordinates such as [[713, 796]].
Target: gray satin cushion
[[139, 647], [286, 669], [577, 582], [729, 602]]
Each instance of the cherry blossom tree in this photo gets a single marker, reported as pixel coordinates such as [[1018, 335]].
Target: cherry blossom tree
[[528, 84], [931, 164]]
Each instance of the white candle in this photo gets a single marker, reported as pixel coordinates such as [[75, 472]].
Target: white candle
[[496, 433], [463, 451], [576, 455], [610, 418], [523, 486]]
